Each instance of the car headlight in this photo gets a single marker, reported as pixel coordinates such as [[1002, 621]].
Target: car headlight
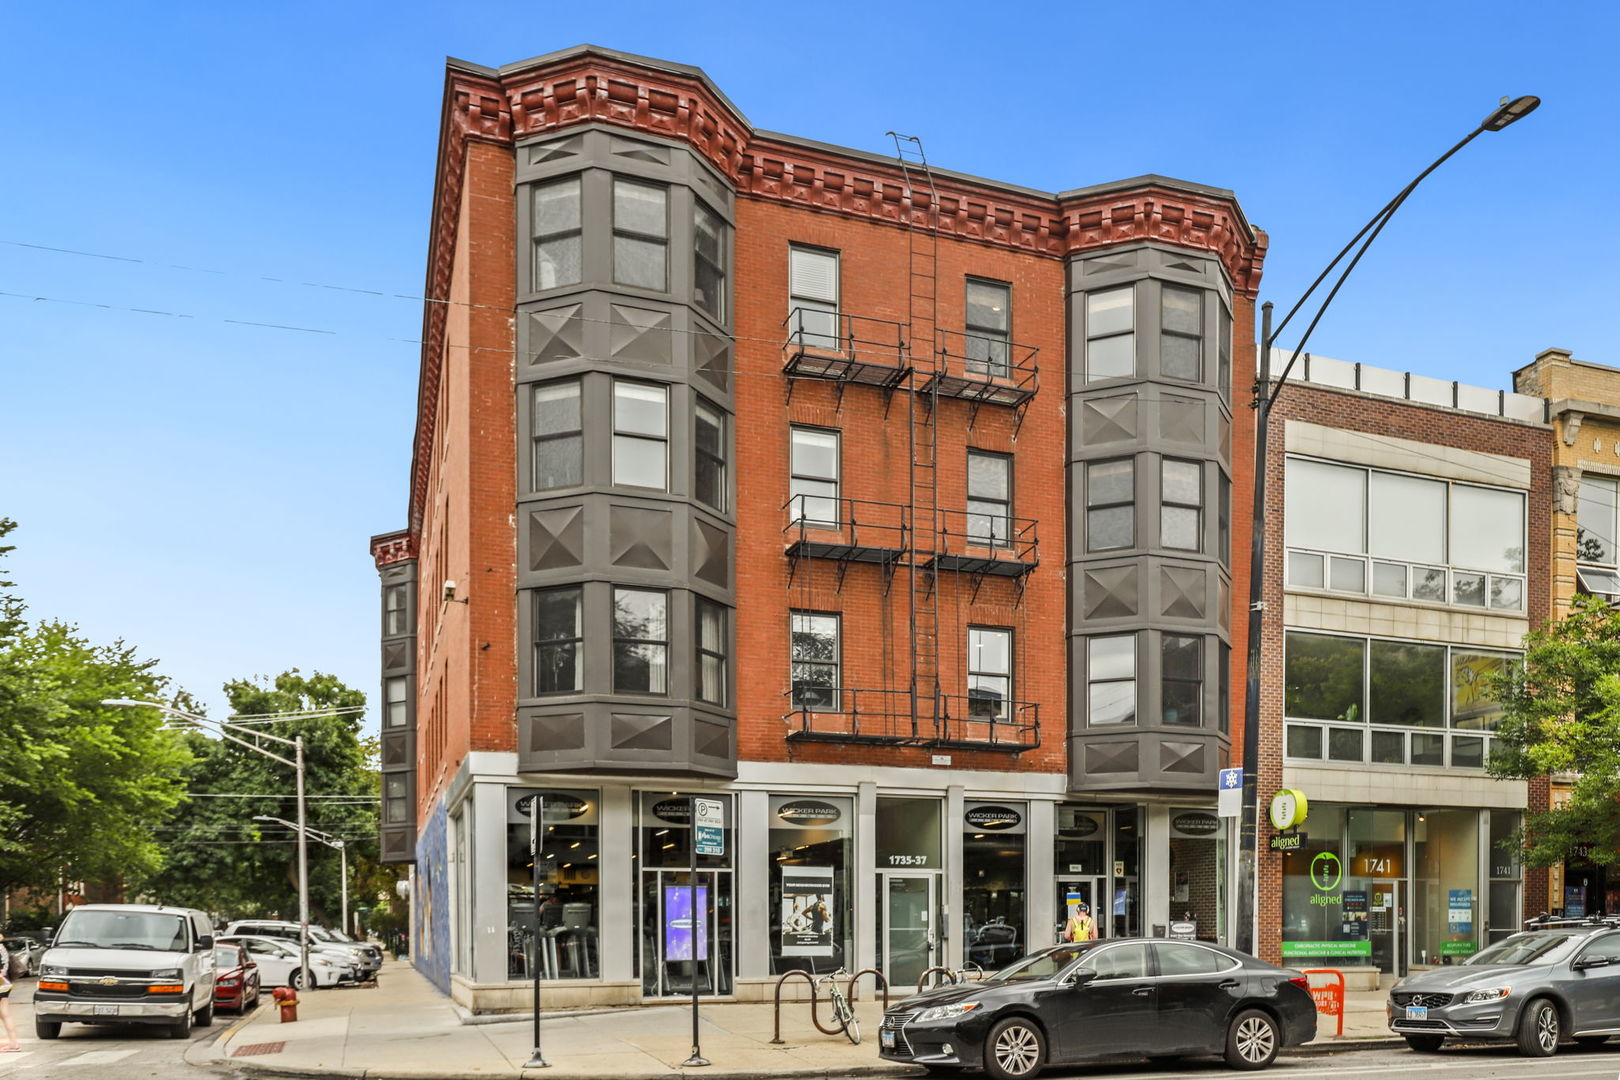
[[53, 970], [1495, 993], [946, 1012], [322, 962], [166, 973]]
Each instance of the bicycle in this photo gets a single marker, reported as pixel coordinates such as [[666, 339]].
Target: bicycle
[[848, 1022]]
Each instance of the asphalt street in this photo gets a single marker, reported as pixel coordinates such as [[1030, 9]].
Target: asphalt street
[[124, 1052], [1464, 1063]]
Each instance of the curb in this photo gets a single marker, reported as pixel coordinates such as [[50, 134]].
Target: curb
[[472, 1019], [296, 1072], [208, 1050], [1341, 1044]]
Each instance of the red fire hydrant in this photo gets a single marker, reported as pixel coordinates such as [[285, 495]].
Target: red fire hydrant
[[287, 998]]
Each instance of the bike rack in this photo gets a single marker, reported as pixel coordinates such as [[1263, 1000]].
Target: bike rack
[[881, 984], [947, 972], [776, 1038]]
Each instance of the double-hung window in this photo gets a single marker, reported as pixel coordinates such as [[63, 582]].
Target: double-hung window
[[556, 234], [989, 673], [1181, 505], [396, 707], [1182, 679], [1181, 333], [813, 297], [989, 328], [1111, 334], [1110, 504], [711, 651], [641, 435], [1597, 539], [709, 452], [709, 261], [558, 633], [640, 235], [814, 660], [1111, 680], [396, 613], [640, 641], [989, 499], [813, 476], [559, 445]]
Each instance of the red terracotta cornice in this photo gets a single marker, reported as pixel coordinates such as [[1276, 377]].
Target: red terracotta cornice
[[590, 85], [387, 549]]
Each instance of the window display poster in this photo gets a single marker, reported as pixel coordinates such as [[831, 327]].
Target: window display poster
[[1574, 901], [679, 924], [807, 906], [1353, 915], [1460, 911]]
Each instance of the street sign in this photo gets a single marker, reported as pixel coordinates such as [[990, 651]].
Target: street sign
[[1229, 793], [709, 821]]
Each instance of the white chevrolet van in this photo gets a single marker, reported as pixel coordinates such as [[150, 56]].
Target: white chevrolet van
[[127, 964]]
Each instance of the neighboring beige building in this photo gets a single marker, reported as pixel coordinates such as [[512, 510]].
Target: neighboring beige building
[[1584, 405]]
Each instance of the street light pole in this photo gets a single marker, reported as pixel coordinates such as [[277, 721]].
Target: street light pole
[[1265, 396], [330, 841], [223, 729]]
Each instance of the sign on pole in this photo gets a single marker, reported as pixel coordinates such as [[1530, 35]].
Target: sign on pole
[[709, 819], [1229, 794]]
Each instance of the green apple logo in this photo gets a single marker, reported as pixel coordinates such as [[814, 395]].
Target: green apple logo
[[1326, 871]]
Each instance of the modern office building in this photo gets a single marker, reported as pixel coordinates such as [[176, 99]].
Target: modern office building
[[1409, 528], [887, 507]]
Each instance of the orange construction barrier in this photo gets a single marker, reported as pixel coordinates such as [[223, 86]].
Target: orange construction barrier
[[1329, 999]]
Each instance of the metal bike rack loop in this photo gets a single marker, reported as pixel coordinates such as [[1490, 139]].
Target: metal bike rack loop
[[882, 984], [776, 1038]]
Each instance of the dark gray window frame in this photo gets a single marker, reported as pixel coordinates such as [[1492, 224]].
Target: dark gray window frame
[[400, 706], [702, 691], [544, 645], [618, 230], [716, 459], [1165, 502], [718, 267], [396, 616], [662, 644], [996, 339], [1166, 638], [1135, 680], [539, 440], [1091, 506], [1129, 332], [637, 436], [1165, 289], [541, 239]]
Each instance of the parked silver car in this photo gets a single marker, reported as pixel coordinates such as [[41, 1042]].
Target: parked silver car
[[1557, 979]]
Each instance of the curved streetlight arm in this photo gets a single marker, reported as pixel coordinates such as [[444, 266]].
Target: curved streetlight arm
[[218, 726]]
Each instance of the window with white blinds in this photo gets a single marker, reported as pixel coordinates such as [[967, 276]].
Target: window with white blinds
[[813, 297]]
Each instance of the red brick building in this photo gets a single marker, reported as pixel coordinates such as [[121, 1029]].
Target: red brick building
[[888, 507]]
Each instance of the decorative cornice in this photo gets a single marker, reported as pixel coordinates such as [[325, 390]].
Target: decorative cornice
[[388, 549], [590, 85]]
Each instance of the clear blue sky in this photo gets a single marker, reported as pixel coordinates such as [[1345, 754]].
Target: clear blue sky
[[205, 489]]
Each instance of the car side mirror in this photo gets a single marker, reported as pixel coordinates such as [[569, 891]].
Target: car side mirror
[[1593, 962], [205, 942], [1076, 979]]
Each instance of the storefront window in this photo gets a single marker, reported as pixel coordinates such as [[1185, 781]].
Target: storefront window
[[677, 948], [1325, 916], [812, 895], [1081, 841], [1126, 906], [993, 883], [1446, 907], [1375, 867], [562, 942], [1194, 884], [908, 862]]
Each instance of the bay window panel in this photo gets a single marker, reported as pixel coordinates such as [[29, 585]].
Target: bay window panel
[[1110, 312], [1325, 506], [709, 261], [1406, 518], [1182, 684], [711, 652], [1111, 675], [640, 641], [1111, 358], [1487, 529], [1596, 516], [709, 463], [556, 210], [1407, 684], [1323, 677], [558, 634], [640, 433]]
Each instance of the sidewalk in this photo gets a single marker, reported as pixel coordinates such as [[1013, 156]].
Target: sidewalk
[[404, 1028]]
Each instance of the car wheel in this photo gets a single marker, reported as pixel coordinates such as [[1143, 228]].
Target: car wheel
[[1425, 1044], [1252, 1040], [47, 1029], [1538, 1029], [1015, 1049], [1590, 1042], [181, 1028], [301, 980], [205, 1017]]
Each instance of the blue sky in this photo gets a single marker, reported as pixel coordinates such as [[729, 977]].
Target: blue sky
[[205, 489]]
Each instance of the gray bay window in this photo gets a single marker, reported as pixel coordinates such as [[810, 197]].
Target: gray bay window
[[640, 235], [1111, 334], [709, 261], [559, 445], [709, 453], [1111, 680], [640, 641], [1181, 340], [1181, 505], [1110, 504], [711, 651], [640, 435], [559, 632], [557, 252], [1182, 679]]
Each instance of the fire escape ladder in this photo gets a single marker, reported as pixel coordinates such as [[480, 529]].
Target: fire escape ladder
[[921, 210]]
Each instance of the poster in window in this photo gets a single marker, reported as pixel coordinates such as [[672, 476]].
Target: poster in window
[[807, 906], [679, 926]]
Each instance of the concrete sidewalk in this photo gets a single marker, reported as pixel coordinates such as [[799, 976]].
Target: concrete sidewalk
[[406, 1029]]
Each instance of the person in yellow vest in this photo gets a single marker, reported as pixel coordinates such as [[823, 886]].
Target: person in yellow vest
[[1080, 926]]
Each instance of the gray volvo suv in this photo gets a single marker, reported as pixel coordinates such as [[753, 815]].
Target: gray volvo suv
[[1556, 979]]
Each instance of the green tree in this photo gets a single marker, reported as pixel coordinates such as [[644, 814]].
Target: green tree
[[81, 784], [1562, 715], [222, 860]]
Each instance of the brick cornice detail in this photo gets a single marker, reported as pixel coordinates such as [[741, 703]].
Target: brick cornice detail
[[390, 549]]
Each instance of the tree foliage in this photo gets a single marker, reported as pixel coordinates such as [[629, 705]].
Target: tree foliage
[[221, 859], [82, 784], [1563, 717]]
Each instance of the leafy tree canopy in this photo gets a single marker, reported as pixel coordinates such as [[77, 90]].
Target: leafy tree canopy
[[1563, 718]]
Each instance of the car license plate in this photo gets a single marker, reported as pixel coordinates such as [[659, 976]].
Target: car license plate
[[106, 1010], [887, 1039], [1417, 1012]]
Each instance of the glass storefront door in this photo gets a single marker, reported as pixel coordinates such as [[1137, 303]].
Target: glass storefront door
[[1073, 891], [1386, 926], [680, 947], [910, 944]]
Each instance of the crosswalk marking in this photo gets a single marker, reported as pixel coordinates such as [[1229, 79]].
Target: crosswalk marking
[[99, 1057]]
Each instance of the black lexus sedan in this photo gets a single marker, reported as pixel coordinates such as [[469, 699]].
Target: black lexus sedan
[[1139, 997]]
